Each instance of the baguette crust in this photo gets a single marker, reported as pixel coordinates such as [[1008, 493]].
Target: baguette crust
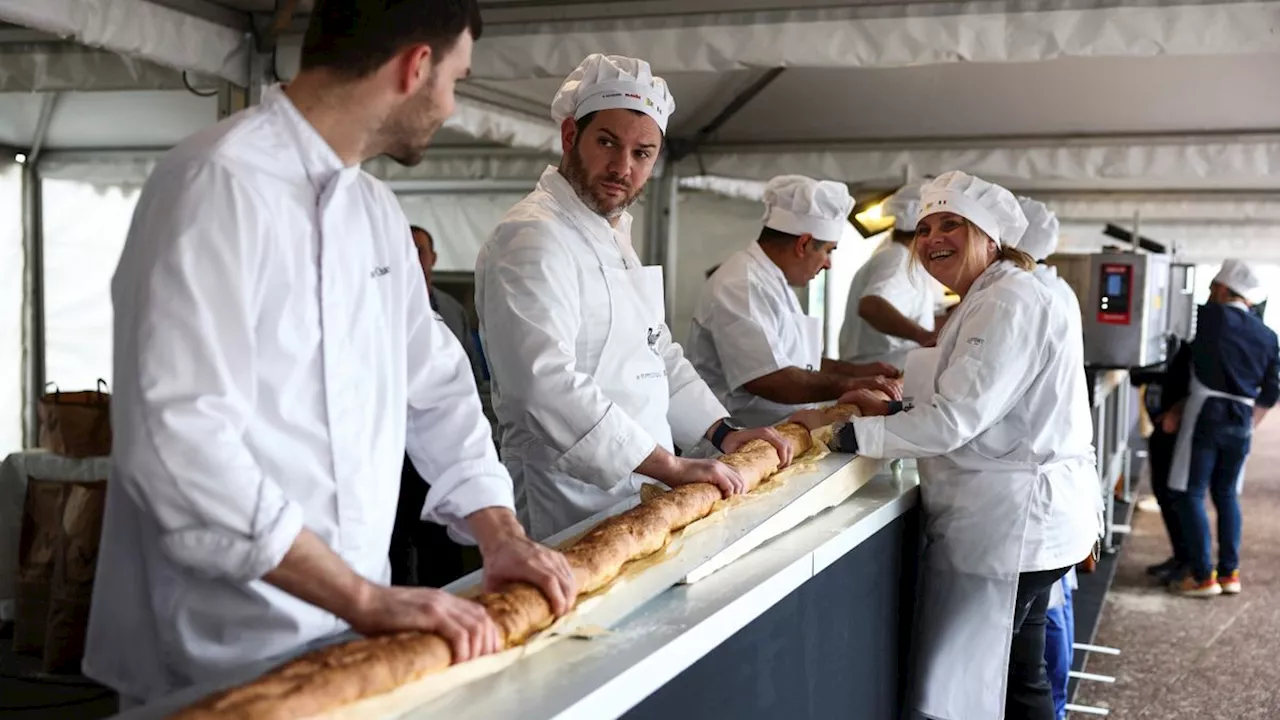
[[338, 675]]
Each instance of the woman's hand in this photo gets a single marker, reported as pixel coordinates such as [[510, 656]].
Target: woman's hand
[[867, 401]]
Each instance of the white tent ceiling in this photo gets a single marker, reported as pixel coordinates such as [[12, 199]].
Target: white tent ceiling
[[1133, 96]]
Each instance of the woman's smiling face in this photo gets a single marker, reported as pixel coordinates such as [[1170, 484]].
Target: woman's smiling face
[[952, 250]]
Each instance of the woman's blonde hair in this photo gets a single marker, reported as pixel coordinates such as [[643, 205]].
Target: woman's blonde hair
[[972, 260]]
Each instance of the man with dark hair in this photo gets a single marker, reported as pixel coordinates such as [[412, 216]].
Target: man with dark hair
[[590, 391], [450, 310], [275, 357], [750, 339]]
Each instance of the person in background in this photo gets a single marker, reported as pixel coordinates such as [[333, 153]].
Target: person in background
[[1166, 386], [590, 390], [750, 339], [1039, 241], [891, 300], [1005, 442], [1235, 381], [422, 553], [450, 310], [274, 358]]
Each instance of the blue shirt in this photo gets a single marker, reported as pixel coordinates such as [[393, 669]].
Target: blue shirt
[[1234, 352]]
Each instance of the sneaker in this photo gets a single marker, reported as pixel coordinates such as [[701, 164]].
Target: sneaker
[[1230, 583], [1190, 587], [1163, 568]]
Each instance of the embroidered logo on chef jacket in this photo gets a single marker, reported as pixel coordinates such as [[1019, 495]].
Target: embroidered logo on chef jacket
[[654, 334], [379, 271], [975, 341]]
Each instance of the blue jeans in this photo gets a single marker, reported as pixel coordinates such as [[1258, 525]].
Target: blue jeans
[[1218, 453], [1059, 638]]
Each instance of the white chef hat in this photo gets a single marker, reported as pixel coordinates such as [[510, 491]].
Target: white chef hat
[[904, 206], [992, 208], [608, 82], [1041, 238], [1241, 280], [797, 205]]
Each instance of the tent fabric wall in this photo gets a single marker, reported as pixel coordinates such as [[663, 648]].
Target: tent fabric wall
[[880, 35], [85, 226], [12, 262]]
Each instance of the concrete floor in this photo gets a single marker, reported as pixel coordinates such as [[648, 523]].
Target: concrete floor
[[1186, 658]]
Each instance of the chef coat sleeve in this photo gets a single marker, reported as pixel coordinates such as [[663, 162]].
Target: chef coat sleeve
[[890, 278], [191, 264], [448, 438], [743, 327], [1000, 348], [693, 406], [531, 322]]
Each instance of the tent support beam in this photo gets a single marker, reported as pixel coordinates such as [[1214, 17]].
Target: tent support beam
[[211, 11], [33, 277], [661, 229], [681, 148]]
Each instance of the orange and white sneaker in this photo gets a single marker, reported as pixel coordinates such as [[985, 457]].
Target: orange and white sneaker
[[1190, 587], [1230, 584]]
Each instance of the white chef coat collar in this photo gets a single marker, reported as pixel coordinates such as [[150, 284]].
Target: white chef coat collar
[[556, 184], [771, 268], [1238, 304], [318, 157]]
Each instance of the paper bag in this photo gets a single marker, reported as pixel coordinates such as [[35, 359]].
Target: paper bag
[[71, 588], [76, 424]]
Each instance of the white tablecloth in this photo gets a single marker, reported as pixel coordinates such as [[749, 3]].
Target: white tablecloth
[[14, 472]]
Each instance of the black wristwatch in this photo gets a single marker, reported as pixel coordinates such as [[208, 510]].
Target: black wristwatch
[[722, 431]]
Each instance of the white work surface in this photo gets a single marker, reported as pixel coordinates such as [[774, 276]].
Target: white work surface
[[605, 676], [14, 473]]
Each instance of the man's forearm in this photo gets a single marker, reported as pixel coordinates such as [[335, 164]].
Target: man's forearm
[[883, 316], [493, 526], [313, 572], [659, 465], [793, 386], [1259, 413]]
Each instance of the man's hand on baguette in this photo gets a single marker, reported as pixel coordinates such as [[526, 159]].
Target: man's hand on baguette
[[462, 623], [313, 572], [736, 439], [510, 556], [869, 402], [712, 472]]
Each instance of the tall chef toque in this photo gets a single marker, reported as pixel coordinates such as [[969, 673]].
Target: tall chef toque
[[1241, 280], [992, 208], [610, 82], [904, 206], [798, 205], [1041, 238]]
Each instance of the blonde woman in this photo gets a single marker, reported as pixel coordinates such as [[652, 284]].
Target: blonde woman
[[1004, 437]]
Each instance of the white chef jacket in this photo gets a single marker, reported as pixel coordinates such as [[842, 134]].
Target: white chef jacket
[[274, 348], [889, 274], [1010, 390], [747, 324], [544, 311]]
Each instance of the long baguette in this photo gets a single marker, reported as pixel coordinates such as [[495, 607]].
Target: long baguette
[[338, 675]]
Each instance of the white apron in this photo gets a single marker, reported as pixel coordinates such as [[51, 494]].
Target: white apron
[[969, 578], [1180, 471], [633, 375]]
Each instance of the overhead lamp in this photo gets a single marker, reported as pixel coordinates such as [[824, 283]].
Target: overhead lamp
[[20, 158], [868, 215]]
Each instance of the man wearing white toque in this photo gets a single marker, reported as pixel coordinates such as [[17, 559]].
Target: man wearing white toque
[[891, 300], [750, 339], [1235, 381], [590, 390]]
